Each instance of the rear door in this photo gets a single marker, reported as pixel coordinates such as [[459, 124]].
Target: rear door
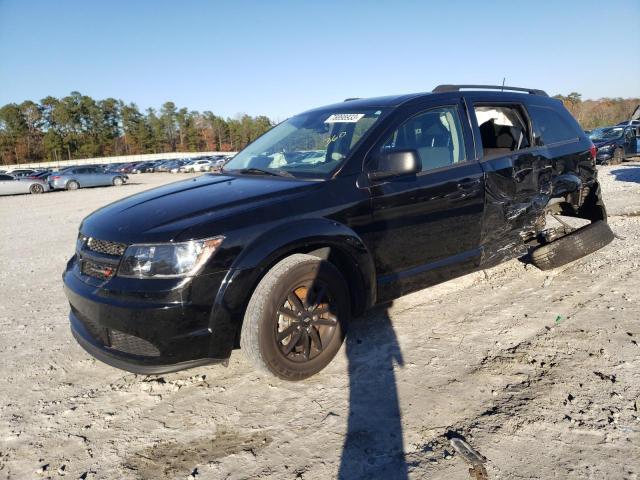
[[426, 227], [516, 173]]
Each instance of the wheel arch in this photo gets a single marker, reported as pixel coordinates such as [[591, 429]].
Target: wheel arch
[[321, 238]]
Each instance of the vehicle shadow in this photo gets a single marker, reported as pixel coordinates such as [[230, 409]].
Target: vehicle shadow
[[374, 446], [631, 174]]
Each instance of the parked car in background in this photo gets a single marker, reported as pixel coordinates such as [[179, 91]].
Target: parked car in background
[[176, 165], [22, 172], [81, 177], [41, 175], [10, 185], [166, 165], [147, 167], [201, 165], [114, 167], [614, 144], [217, 163]]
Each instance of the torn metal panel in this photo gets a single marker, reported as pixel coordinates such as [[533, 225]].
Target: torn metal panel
[[522, 188]]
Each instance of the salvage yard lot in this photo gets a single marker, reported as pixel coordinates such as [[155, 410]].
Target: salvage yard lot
[[539, 371]]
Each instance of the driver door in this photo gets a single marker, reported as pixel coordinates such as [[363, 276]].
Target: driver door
[[426, 227]]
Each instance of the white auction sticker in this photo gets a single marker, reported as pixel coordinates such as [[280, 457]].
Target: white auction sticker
[[344, 118]]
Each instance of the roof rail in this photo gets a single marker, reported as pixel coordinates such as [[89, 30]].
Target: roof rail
[[457, 88], [351, 99]]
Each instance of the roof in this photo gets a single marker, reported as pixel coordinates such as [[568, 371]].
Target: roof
[[373, 102]]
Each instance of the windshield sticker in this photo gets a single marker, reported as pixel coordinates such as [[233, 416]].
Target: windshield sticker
[[333, 138], [344, 118]]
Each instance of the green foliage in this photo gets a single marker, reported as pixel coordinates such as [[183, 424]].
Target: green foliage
[[77, 126]]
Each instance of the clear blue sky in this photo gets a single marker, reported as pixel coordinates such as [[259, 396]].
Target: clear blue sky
[[280, 57]]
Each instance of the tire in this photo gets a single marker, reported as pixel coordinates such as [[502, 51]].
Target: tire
[[618, 156], [313, 339], [36, 189], [117, 181], [571, 247], [72, 185]]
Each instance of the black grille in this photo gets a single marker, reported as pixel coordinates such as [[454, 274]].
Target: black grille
[[106, 247], [124, 342], [117, 340], [98, 270], [97, 331]]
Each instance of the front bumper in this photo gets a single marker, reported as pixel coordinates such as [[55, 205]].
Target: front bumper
[[147, 334], [604, 157]]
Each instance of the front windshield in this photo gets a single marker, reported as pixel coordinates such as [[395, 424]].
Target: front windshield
[[309, 145], [606, 134]]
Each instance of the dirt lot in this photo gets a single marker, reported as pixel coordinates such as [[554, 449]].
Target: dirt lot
[[540, 372]]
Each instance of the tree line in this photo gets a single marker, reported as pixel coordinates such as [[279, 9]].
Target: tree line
[[77, 126], [599, 113]]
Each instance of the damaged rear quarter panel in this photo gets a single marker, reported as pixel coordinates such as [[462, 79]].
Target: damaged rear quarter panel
[[519, 187]]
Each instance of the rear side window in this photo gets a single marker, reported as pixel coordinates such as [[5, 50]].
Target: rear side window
[[503, 129], [550, 126]]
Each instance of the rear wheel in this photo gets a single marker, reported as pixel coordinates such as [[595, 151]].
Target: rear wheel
[[571, 247], [72, 185], [36, 188], [117, 181], [296, 319]]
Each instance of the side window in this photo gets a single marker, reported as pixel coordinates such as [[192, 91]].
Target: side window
[[503, 129], [435, 134], [551, 127], [5, 177]]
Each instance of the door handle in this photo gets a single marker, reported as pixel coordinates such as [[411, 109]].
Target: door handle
[[468, 183]]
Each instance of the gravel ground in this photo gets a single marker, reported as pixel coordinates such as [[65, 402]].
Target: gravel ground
[[539, 372]]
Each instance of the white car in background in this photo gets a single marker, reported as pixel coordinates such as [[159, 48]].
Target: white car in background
[[201, 165], [10, 185]]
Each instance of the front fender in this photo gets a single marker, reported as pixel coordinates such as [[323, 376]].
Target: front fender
[[265, 251]]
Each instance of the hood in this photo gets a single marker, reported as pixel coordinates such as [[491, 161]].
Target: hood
[[603, 143], [160, 214]]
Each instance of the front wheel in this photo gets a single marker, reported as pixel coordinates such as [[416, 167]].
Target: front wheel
[[296, 319], [117, 181]]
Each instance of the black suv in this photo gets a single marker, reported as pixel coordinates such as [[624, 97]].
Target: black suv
[[327, 214]]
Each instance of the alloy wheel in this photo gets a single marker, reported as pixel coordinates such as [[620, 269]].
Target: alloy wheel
[[305, 322]]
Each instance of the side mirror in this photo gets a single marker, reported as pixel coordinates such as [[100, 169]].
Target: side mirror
[[396, 163]]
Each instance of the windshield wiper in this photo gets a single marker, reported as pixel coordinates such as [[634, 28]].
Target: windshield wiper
[[260, 171]]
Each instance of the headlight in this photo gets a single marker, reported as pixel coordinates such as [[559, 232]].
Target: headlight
[[606, 148], [167, 260]]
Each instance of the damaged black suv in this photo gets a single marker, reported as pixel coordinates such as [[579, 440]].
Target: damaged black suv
[[327, 214]]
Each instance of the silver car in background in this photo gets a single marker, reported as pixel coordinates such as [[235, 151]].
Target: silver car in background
[[10, 185], [80, 177]]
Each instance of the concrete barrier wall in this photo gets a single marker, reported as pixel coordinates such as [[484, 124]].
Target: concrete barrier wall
[[122, 158]]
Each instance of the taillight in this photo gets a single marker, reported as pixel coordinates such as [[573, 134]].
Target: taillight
[[593, 150], [56, 177]]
